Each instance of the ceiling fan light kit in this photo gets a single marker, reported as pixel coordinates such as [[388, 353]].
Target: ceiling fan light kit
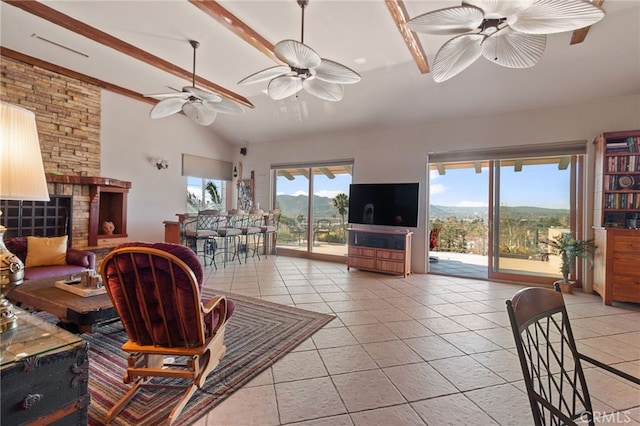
[[305, 69], [510, 33], [199, 105]]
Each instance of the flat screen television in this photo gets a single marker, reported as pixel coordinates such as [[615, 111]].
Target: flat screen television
[[388, 204]]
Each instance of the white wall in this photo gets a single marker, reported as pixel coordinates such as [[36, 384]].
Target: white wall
[[131, 141], [130, 144], [394, 155]]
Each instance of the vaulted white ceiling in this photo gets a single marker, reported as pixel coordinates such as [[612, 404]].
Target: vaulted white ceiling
[[358, 33]]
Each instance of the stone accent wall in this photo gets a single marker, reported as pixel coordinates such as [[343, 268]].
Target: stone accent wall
[[68, 119]]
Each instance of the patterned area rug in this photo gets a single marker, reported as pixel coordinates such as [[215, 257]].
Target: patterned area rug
[[257, 335]]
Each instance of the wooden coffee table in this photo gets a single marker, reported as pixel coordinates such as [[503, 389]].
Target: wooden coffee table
[[83, 312]]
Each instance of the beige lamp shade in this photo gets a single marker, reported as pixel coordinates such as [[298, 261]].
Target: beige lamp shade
[[21, 170]]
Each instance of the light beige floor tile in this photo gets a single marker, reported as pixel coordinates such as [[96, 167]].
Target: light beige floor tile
[[368, 333], [452, 410], [308, 399], [298, 366], [505, 403], [616, 392], [500, 336], [376, 379], [365, 390], [474, 322], [466, 373], [333, 338], [418, 381], [504, 363], [398, 415], [264, 378], [408, 329], [449, 309], [470, 342], [387, 354], [341, 420], [356, 318], [248, 406], [389, 314], [347, 359], [306, 298], [433, 347], [442, 325]]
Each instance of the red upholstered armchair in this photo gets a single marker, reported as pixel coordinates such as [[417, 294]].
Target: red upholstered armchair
[[156, 290]]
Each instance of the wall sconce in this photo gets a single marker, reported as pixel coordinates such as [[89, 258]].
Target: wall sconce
[[162, 164], [235, 172]]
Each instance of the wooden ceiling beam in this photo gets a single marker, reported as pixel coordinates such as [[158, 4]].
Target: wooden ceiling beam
[[400, 17], [49, 14], [235, 25], [579, 35]]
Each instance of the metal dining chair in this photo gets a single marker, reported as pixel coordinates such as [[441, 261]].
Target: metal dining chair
[[550, 361]]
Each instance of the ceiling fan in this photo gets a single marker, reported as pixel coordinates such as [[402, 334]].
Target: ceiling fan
[[305, 69], [511, 33], [197, 104]]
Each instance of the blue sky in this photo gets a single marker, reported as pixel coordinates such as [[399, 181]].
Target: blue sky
[[536, 186], [539, 186]]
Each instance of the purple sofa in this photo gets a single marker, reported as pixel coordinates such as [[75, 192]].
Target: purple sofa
[[77, 261]]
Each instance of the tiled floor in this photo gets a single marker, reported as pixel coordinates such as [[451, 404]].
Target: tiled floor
[[425, 349]]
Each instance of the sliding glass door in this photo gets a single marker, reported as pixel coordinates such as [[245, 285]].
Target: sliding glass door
[[490, 218], [533, 201], [314, 224]]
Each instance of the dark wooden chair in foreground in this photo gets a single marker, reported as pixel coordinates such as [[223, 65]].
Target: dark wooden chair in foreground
[[156, 290], [550, 361]]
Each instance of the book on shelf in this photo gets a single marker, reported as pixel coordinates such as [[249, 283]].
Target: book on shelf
[[627, 145]]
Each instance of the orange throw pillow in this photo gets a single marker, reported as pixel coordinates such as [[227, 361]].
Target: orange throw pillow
[[43, 251]]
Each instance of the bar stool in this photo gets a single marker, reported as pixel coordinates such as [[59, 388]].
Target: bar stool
[[229, 235], [252, 232], [202, 233], [269, 231]]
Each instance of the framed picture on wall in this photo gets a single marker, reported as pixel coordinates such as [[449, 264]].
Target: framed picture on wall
[[245, 194]]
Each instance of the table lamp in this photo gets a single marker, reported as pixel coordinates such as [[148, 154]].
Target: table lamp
[[21, 178]]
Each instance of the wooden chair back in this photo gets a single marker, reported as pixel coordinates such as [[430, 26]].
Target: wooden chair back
[[156, 291]]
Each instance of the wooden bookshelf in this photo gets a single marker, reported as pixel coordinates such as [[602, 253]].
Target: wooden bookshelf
[[617, 217]]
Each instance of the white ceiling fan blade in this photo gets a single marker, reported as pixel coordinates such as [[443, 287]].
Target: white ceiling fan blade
[[161, 96], [323, 89], [297, 54], [266, 74], [557, 16], [284, 86], [456, 55], [202, 94], [513, 49], [167, 107], [448, 21], [199, 113], [225, 106], [334, 72], [496, 9]]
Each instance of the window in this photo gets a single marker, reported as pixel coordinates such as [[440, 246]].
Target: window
[[205, 194]]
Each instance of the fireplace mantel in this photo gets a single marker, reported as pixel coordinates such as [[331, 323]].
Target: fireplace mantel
[[107, 203], [87, 180]]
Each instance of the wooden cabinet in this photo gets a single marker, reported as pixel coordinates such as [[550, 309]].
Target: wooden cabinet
[[617, 216], [616, 273], [380, 251]]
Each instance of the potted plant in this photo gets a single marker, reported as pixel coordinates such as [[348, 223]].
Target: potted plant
[[568, 248]]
